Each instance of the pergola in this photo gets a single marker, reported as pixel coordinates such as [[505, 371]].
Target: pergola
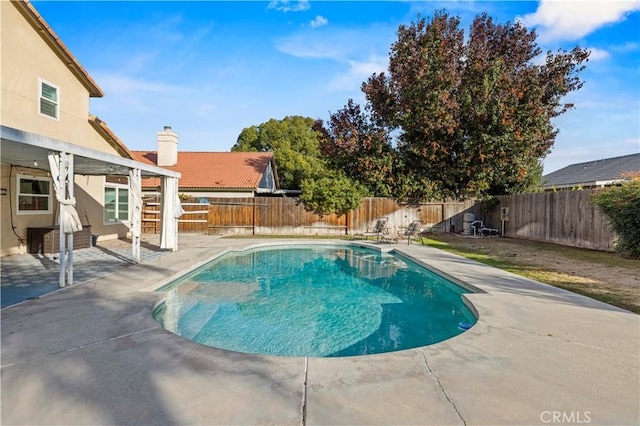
[[64, 160]]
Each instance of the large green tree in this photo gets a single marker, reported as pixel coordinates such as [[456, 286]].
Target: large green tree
[[474, 116], [352, 143], [294, 144]]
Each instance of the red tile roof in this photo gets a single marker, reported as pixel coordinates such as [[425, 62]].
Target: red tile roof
[[210, 170]]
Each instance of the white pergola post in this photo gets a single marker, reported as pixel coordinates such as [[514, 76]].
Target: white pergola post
[[135, 185], [62, 195], [69, 182], [62, 173], [171, 211]]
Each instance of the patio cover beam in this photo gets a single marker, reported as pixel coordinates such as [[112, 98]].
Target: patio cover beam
[[23, 148], [31, 150]]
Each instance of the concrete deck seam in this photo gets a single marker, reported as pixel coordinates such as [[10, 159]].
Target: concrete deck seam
[[571, 342], [86, 345], [444, 392], [303, 407]]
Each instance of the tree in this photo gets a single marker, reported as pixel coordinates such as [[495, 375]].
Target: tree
[[621, 204], [294, 144], [353, 144], [335, 193], [474, 117]]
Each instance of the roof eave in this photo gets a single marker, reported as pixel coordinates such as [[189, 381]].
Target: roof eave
[[53, 41], [104, 131], [596, 183]]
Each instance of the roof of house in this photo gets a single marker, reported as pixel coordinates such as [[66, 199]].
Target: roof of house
[[213, 170], [53, 41], [104, 131], [593, 172]]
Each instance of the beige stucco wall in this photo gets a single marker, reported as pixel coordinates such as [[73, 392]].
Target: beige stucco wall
[[25, 58], [11, 244], [89, 191]]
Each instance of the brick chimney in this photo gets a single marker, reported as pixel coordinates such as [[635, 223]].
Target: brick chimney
[[167, 147]]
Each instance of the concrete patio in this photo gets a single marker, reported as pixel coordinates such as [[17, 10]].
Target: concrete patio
[[30, 276], [92, 354]]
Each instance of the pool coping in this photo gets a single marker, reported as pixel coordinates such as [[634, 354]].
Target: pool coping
[[535, 351]]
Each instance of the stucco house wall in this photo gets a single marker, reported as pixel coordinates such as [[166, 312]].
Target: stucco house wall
[[26, 60]]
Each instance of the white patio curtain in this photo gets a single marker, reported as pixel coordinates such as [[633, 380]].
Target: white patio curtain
[[135, 184], [70, 220], [171, 211]]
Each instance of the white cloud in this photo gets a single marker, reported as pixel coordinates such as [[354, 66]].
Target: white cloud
[[357, 73], [358, 66], [627, 47], [133, 92], [319, 21], [570, 20], [540, 60], [311, 48], [116, 84], [138, 62], [288, 6], [338, 44], [358, 53], [598, 54]]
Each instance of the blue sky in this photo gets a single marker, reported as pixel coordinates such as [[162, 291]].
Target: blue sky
[[211, 68]]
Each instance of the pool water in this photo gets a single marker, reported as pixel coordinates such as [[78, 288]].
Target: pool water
[[320, 301]]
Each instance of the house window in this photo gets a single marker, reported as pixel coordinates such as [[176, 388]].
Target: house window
[[49, 99], [116, 203], [34, 195]]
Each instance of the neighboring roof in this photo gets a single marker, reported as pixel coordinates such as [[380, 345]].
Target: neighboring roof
[[53, 41], [213, 170], [593, 173], [104, 131]]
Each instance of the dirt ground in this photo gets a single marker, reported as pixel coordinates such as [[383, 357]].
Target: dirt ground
[[606, 276]]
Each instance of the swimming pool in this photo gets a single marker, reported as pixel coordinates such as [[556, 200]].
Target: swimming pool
[[320, 300]]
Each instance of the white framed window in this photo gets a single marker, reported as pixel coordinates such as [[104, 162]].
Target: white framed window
[[33, 195], [49, 104], [116, 203]]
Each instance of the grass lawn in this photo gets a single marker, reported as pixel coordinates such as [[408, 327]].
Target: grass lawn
[[608, 277]]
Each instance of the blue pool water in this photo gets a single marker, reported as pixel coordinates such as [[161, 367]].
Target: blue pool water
[[321, 301]]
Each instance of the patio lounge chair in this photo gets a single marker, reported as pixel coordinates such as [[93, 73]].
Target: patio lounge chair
[[478, 228], [379, 230], [412, 230]]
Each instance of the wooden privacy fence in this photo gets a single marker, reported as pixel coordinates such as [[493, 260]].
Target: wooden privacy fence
[[563, 217], [288, 216], [194, 220]]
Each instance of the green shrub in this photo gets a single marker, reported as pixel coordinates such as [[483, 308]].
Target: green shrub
[[621, 204], [336, 194]]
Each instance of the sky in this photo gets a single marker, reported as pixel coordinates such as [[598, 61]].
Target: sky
[[209, 69]]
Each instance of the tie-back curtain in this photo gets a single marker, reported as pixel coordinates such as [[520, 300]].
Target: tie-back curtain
[[70, 220]]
